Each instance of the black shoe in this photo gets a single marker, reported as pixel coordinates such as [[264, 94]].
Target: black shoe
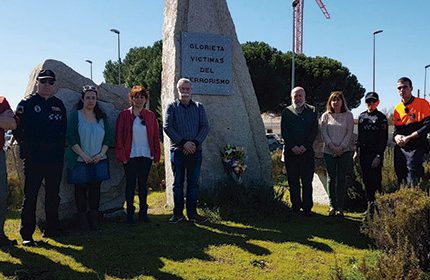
[[176, 219], [28, 243], [4, 242], [198, 219], [144, 219], [307, 213], [50, 233]]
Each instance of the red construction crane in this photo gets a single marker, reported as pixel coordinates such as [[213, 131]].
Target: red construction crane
[[298, 24]]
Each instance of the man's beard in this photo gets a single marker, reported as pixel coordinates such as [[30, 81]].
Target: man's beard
[[298, 105]]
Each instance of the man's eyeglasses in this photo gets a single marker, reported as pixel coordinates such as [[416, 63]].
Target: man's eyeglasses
[[370, 101], [47, 80], [89, 88]]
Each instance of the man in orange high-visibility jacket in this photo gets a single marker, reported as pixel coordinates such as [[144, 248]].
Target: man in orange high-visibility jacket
[[411, 126]]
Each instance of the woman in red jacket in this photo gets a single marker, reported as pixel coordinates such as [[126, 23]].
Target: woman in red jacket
[[137, 146]]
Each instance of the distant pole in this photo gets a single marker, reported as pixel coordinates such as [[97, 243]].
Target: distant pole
[[91, 68], [425, 79], [374, 36], [293, 66], [119, 56]]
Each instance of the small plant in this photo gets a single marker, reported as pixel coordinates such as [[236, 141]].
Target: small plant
[[402, 218], [399, 264], [233, 159]]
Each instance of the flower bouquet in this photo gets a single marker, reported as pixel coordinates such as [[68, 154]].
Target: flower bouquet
[[233, 159]]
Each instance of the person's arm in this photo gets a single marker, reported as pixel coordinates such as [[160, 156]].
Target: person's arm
[[156, 139], [383, 135], [349, 125], [119, 137], [203, 127], [169, 128], [324, 130], [313, 132], [285, 133], [7, 120]]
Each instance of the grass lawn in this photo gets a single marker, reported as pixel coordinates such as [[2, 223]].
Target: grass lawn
[[291, 247]]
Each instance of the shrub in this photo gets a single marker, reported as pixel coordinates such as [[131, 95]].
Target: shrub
[[402, 219], [400, 264]]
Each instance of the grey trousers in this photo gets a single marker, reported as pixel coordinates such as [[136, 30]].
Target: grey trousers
[[3, 189]]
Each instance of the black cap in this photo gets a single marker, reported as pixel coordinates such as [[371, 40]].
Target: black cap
[[371, 95], [46, 74]]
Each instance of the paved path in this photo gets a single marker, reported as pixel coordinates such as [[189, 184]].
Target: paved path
[[319, 194]]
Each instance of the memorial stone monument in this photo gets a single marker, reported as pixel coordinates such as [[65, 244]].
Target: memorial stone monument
[[200, 43]]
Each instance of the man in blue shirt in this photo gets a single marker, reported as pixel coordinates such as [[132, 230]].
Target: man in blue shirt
[[187, 126]]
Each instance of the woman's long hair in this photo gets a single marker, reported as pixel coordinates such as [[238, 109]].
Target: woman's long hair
[[97, 111], [336, 94]]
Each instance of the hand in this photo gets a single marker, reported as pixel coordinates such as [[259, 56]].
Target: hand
[[86, 158], [338, 151], [376, 161], [97, 158], [401, 140], [296, 150], [302, 149], [189, 148]]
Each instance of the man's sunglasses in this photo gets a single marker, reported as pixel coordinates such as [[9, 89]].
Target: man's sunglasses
[[47, 80], [370, 101]]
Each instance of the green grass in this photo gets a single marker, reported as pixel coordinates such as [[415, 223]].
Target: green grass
[[290, 247]]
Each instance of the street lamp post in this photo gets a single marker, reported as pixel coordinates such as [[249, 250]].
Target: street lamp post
[[119, 56], [91, 68], [293, 66], [374, 36], [425, 79]]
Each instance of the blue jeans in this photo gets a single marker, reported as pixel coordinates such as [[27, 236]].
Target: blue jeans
[[190, 166], [409, 165]]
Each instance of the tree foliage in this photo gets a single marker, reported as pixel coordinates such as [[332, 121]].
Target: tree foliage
[[270, 71], [141, 66]]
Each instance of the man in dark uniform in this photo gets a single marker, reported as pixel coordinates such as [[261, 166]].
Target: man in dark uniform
[[371, 143], [41, 135]]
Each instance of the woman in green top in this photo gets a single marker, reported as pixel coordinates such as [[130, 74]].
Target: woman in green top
[[88, 137]]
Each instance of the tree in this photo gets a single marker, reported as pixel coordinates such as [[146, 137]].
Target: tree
[[141, 66], [270, 72]]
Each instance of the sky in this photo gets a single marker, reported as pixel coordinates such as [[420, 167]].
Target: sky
[[74, 31]]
